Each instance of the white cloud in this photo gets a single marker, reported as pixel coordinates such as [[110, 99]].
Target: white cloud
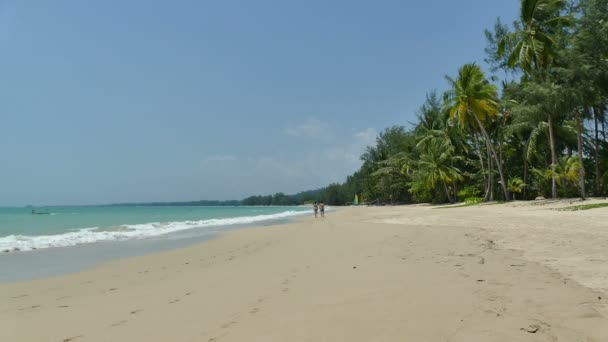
[[367, 137], [333, 156], [311, 128], [341, 154]]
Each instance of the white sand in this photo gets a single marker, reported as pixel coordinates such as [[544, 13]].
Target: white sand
[[513, 272]]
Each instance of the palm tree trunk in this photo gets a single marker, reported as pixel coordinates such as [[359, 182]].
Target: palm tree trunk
[[579, 138], [447, 192], [489, 196], [487, 137], [483, 171], [553, 157], [525, 176], [500, 147], [597, 159], [490, 175]]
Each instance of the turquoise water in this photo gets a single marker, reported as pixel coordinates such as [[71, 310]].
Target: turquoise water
[[68, 226]]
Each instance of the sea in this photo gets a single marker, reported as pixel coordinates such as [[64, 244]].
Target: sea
[[63, 239]]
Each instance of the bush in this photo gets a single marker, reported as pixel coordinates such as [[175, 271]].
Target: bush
[[473, 200], [469, 192]]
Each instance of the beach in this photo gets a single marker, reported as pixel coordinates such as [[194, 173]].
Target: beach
[[520, 271]]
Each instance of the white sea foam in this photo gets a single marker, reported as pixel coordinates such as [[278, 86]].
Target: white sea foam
[[125, 232]]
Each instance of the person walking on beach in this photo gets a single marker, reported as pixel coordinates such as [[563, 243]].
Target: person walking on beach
[[315, 207], [322, 209]]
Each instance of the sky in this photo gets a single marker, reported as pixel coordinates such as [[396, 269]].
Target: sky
[[106, 101]]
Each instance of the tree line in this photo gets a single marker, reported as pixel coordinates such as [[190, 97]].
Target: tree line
[[533, 126]]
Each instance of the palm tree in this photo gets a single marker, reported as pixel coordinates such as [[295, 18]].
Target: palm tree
[[516, 185], [566, 172], [579, 144], [533, 47], [436, 166], [473, 98]]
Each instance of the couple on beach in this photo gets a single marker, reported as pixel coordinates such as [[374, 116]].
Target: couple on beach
[[319, 207]]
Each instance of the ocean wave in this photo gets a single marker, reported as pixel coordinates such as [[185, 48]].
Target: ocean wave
[[125, 232]]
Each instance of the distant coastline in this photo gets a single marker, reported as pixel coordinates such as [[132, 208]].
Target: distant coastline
[[278, 199], [201, 203]]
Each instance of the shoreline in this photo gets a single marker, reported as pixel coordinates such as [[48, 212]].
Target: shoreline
[[57, 261], [360, 274], [69, 227]]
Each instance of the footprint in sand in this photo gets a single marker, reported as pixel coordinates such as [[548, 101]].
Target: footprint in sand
[[254, 311], [30, 307], [134, 312], [118, 323], [174, 301], [72, 338], [217, 338], [229, 324]]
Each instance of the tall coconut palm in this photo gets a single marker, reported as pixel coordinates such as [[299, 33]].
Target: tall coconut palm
[[533, 47], [533, 44], [473, 98]]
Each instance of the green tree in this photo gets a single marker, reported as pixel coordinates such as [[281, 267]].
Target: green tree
[[473, 98], [436, 167], [516, 185], [534, 44], [590, 62], [534, 47]]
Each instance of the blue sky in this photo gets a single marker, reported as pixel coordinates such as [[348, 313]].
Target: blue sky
[[132, 100]]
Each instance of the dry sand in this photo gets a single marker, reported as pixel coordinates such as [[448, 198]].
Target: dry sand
[[508, 272]]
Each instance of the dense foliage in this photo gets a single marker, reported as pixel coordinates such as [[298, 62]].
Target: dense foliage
[[534, 127]]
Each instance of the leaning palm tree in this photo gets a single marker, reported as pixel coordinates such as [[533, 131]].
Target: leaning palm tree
[[533, 47], [473, 98]]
